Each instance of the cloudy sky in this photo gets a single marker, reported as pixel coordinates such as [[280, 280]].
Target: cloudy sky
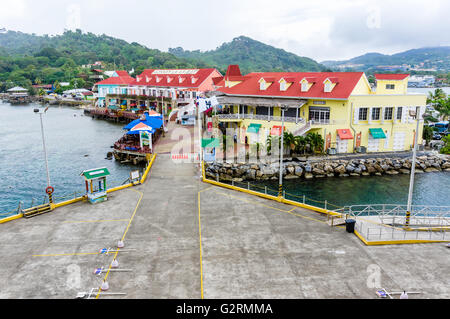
[[319, 29]]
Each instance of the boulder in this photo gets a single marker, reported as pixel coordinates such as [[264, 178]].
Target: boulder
[[340, 169], [309, 176], [391, 172], [318, 171], [405, 171], [291, 170], [350, 168], [298, 171]]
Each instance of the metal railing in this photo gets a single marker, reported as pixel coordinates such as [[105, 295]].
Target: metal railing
[[383, 233], [395, 215], [299, 198], [33, 202], [238, 116]]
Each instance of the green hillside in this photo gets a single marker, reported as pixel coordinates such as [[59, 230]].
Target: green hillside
[[27, 59], [251, 55], [437, 58]]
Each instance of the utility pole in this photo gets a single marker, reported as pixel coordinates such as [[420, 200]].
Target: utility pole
[[413, 170], [49, 190], [280, 189]]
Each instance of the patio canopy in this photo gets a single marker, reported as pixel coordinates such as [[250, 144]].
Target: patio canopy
[[155, 122]]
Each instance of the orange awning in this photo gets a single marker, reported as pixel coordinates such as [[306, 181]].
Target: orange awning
[[345, 134], [276, 130]]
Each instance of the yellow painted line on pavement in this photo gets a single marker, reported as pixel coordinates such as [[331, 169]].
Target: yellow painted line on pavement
[[95, 221], [70, 254], [271, 207], [200, 241], [123, 237]]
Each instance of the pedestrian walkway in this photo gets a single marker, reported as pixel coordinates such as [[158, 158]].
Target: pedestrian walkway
[[187, 239]]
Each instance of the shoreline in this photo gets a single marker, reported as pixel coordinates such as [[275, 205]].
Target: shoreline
[[326, 168]]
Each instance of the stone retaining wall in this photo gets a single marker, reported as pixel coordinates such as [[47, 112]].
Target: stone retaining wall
[[325, 168]]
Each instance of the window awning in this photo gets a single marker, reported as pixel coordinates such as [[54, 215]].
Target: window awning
[[210, 142], [377, 133], [276, 130], [253, 128], [345, 134]]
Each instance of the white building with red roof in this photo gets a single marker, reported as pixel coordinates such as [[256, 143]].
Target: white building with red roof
[[342, 107], [166, 89]]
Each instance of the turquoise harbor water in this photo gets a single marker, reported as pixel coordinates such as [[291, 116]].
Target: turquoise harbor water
[[429, 189], [74, 143]]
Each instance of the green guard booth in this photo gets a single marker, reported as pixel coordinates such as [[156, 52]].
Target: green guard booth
[[95, 180]]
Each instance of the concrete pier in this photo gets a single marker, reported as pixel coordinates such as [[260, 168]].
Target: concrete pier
[[187, 239]]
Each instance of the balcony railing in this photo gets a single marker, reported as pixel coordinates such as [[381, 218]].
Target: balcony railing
[[137, 96], [259, 117]]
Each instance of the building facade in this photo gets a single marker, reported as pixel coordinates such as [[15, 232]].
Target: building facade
[[350, 115], [108, 89]]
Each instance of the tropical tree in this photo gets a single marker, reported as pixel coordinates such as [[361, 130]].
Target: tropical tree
[[443, 107], [427, 134], [316, 142], [446, 148], [301, 144], [433, 97], [289, 141]]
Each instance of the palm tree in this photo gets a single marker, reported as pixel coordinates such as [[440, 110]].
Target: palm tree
[[316, 141], [288, 141], [434, 97], [427, 134], [301, 143], [443, 107]]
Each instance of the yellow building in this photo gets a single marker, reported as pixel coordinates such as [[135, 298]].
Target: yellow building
[[350, 115]]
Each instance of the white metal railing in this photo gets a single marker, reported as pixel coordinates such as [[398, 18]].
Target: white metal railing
[[263, 117], [382, 233], [392, 214]]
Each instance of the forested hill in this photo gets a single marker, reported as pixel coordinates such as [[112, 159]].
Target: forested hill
[[252, 56], [27, 59], [437, 58]]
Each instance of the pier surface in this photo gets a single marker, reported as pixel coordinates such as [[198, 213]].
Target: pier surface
[[187, 239]]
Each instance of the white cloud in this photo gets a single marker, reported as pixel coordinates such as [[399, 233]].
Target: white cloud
[[320, 29], [11, 10]]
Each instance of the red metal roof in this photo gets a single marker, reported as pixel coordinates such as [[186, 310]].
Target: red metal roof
[[216, 80], [391, 76], [117, 80], [192, 78], [122, 73], [233, 70], [345, 84]]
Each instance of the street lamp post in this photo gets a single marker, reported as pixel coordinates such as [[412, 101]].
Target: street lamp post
[[280, 189], [413, 170], [49, 190]]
